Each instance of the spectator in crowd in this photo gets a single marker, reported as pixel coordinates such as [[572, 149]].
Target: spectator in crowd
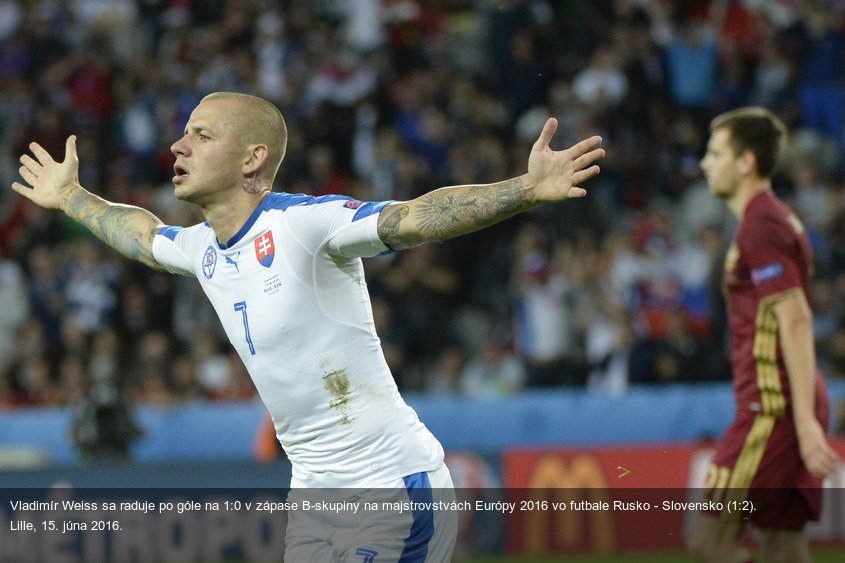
[[543, 316], [821, 91], [15, 306], [496, 372]]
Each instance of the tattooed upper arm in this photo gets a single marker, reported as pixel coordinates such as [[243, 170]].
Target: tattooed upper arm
[[389, 221]]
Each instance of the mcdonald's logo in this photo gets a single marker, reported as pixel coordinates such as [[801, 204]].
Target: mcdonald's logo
[[565, 525]]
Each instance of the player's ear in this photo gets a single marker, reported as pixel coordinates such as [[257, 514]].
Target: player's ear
[[255, 160], [748, 162]]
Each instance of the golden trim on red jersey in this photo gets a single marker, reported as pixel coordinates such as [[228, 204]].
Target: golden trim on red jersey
[[766, 355]]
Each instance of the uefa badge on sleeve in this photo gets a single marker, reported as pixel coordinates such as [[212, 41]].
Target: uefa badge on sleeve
[[265, 249]]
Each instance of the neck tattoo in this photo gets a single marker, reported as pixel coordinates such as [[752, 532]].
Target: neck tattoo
[[253, 185]]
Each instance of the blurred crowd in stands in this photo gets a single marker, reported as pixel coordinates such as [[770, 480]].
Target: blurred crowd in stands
[[388, 99]]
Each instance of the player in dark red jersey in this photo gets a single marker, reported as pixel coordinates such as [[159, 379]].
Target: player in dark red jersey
[[775, 453]]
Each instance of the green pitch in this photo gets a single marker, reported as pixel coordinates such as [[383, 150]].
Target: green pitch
[[820, 555]]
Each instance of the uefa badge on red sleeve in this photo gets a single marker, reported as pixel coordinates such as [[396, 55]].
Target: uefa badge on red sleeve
[[766, 273]]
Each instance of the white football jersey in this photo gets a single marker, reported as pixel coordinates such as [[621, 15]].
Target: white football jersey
[[289, 289]]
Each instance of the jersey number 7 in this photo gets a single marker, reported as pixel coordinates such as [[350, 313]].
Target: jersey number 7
[[241, 306]]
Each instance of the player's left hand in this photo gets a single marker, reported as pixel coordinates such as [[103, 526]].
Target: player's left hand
[[557, 175], [821, 460]]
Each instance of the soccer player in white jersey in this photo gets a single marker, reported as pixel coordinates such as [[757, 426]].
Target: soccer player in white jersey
[[285, 275]]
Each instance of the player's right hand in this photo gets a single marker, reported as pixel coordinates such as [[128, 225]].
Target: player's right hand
[[49, 182], [557, 175], [816, 453]]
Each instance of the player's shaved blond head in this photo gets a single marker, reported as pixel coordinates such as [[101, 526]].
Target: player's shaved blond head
[[254, 120]]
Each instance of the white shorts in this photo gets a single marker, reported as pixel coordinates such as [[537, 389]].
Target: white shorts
[[413, 522]]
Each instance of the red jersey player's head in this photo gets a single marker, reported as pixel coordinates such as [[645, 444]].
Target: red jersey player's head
[[744, 148]]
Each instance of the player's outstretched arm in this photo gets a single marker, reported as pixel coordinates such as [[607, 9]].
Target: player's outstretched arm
[[450, 212], [55, 185]]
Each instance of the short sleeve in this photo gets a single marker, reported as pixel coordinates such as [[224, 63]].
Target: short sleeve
[[772, 254], [342, 227], [169, 253], [359, 239]]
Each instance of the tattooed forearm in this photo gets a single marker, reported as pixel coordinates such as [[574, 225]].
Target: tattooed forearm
[[129, 230], [444, 214], [450, 212]]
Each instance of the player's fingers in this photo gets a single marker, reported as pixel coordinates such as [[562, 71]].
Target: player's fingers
[[546, 134], [23, 190], [575, 191], [27, 175], [30, 164], [70, 148], [581, 176], [585, 146], [825, 470], [827, 462], [833, 459], [40, 153], [588, 158]]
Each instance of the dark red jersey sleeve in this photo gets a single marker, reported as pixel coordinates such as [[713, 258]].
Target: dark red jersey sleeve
[[775, 253]]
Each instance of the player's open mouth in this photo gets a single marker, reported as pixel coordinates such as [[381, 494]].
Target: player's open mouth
[[181, 173]]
